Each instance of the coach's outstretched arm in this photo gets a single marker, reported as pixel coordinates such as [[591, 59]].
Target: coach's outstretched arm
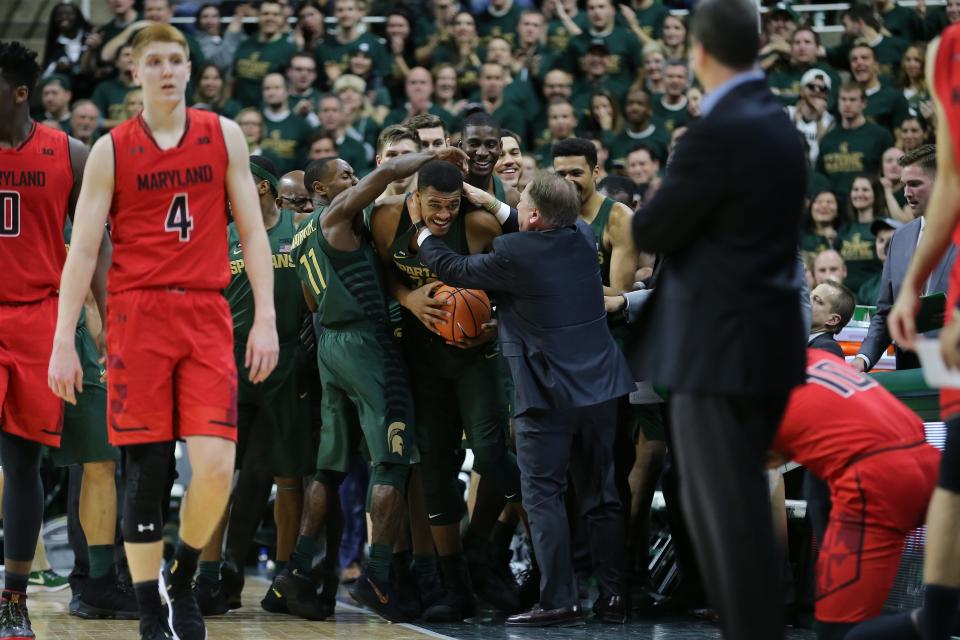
[[263, 346], [65, 375]]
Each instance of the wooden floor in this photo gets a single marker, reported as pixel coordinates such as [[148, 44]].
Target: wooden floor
[[48, 613]]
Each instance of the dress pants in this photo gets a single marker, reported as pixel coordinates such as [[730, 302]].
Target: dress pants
[[549, 443], [720, 443]]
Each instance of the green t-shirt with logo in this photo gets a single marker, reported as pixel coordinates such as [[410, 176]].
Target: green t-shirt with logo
[[654, 136], [558, 37], [287, 293], [109, 96], [844, 153], [331, 49], [255, 60], [584, 89], [505, 26], [623, 63], [284, 143], [651, 19], [856, 244], [671, 118]]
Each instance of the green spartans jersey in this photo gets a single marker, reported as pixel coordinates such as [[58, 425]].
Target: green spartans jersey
[[505, 26], [109, 96], [599, 225], [347, 286], [284, 143], [623, 63], [856, 243], [255, 60], [558, 38], [330, 49], [654, 136], [846, 152], [812, 243], [287, 294], [411, 271], [886, 106]]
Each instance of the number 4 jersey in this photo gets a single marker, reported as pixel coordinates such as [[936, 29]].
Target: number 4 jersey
[[169, 208], [35, 183], [840, 415]]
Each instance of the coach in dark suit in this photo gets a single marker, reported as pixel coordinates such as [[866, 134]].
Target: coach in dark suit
[[920, 167], [723, 330], [567, 372]]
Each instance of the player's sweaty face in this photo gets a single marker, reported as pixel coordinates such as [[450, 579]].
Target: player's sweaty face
[[439, 209], [482, 146], [163, 70]]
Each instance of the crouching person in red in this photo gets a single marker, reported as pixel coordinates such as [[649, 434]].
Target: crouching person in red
[[871, 450]]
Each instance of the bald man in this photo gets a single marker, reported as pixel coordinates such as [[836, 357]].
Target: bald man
[[292, 195]]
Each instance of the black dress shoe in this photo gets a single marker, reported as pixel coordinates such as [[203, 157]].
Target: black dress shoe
[[539, 617], [612, 609]]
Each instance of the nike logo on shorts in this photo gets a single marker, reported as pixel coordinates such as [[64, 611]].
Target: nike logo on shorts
[[434, 515]]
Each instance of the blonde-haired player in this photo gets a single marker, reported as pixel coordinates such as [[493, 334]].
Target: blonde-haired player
[[164, 178]]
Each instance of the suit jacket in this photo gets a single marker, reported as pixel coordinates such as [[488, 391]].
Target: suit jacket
[[900, 251], [827, 342], [726, 218], [553, 327]]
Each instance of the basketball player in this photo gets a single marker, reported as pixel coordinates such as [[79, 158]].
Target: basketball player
[[273, 418], [396, 140], [39, 185], [431, 130], [480, 140], [360, 371], [941, 572], [164, 177], [456, 388], [871, 451]]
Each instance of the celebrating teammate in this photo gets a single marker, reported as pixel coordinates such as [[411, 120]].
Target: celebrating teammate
[[163, 178]]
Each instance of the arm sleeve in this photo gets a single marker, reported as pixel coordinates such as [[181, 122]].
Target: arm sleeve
[[492, 271], [878, 335]]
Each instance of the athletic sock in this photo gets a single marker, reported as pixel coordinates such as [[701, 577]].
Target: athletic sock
[[453, 569], [148, 598], [303, 553], [210, 569], [425, 567], [15, 582], [939, 607], [184, 566], [400, 562], [378, 564], [101, 559]]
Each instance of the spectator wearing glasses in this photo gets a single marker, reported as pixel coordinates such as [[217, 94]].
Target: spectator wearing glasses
[[785, 77], [810, 115]]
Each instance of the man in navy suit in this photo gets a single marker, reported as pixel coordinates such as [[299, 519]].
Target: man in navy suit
[[723, 330], [567, 372]]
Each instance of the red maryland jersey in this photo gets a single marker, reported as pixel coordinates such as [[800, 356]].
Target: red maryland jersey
[[839, 415], [169, 211], [35, 183], [946, 78]]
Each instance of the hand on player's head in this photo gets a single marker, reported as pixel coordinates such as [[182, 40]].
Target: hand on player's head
[[454, 156], [477, 196], [413, 208]]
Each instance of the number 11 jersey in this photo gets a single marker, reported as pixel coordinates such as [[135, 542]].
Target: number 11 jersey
[[169, 209]]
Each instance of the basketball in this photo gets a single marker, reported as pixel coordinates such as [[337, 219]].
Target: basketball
[[468, 312]]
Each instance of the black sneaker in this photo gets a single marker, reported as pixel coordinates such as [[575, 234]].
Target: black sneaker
[[378, 596], [431, 591], [493, 588], [183, 613], [405, 586], [329, 585], [210, 597], [274, 602], [154, 628], [455, 605], [231, 582], [14, 619], [105, 598], [300, 594]]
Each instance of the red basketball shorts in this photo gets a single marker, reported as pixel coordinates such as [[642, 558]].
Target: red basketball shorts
[[877, 502], [28, 407], [170, 367]]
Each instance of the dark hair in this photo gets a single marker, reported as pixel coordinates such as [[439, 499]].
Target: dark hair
[[617, 125], [441, 175], [576, 147], [269, 167], [620, 184], [52, 47], [556, 197], [849, 87], [320, 134], [204, 7], [18, 65], [315, 172], [506, 133], [643, 146], [808, 29], [925, 156], [879, 199], [727, 30], [863, 12], [479, 119], [838, 223], [224, 91], [843, 303]]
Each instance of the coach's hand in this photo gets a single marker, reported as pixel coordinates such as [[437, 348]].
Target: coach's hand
[[263, 349], [427, 309], [65, 375], [902, 320], [478, 197], [488, 332]]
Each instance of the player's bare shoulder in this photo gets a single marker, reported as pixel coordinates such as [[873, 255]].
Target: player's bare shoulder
[[512, 196], [482, 228], [620, 218], [384, 218]]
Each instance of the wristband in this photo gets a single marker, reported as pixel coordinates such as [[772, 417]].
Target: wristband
[[503, 214]]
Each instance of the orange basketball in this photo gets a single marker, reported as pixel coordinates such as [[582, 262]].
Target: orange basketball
[[469, 310]]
